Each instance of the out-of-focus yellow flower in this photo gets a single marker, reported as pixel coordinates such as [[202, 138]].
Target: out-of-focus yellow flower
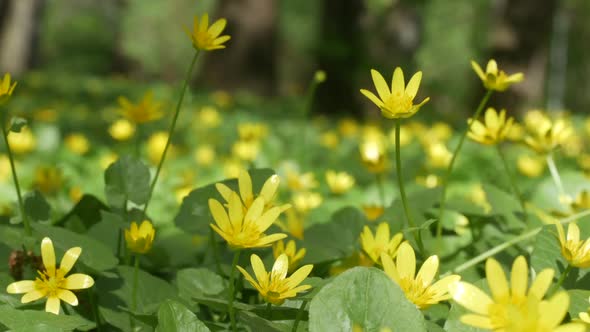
[[48, 179], [205, 37], [575, 251], [294, 255], [399, 102], [77, 143], [205, 155], [429, 181], [301, 181], [122, 130], [222, 98], [339, 182], [52, 282], [418, 288], [6, 88], [5, 171], [478, 196], [245, 150], [319, 76], [405, 136], [516, 132], [494, 79], [295, 224], [546, 136], [581, 201], [373, 211], [438, 155], [513, 307], [107, 159], [146, 110], [244, 227], [439, 133], [209, 117], [532, 167], [493, 130], [22, 142], [268, 192], [373, 155], [306, 201], [140, 239], [348, 127], [374, 246], [155, 147], [274, 286], [181, 192], [76, 194], [329, 140], [252, 131], [232, 168]]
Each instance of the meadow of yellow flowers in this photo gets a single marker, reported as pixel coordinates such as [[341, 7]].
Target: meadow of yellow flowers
[[229, 221]]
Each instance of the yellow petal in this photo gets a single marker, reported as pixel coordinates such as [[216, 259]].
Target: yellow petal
[[560, 233], [492, 67], [390, 268], [48, 255], [380, 85], [382, 234], [67, 296], [268, 218], [441, 287], [249, 278], [519, 277], [78, 281], [478, 70], [397, 82], [220, 40], [542, 283], [33, 295], [406, 261], [245, 185], [497, 280], [219, 214], [52, 305], [280, 268], [69, 259], [470, 297], [204, 22], [258, 268], [224, 191], [236, 213], [552, 312], [428, 270], [515, 78], [372, 97], [267, 240], [269, 189], [216, 28], [298, 276], [573, 232], [413, 85], [255, 211], [20, 287], [571, 327], [482, 322]]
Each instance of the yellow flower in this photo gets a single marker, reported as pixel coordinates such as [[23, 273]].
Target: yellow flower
[[530, 166], [268, 191], [207, 37], [575, 251], [155, 146], [23, 142], [246, 150], [510, 307], [6, 88], [348, 127], [329, 140], [438, 155], [429, 180], [122, 130], [494, 79], [48, 180], [494, 129], [52, 282], [373, 211], [478, 196], [77, 143], [306, 201], [419, 288], [340, 182], [209, 117], [294, 255], [295, 224], [204, 155], [244, 229], [399, 102], [319, 76], [140, 239], [222, 98], [252, 131], [301, 181], [581, 202], [274, 286], [547, 136], [145, 111], [584, 316], [107, 159], [374, 246], [373, 155]]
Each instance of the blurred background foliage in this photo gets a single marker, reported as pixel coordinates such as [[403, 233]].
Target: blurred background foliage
[[278, 45]]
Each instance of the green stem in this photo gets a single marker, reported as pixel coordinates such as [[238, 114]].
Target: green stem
[[381, 189], [555, 174], [512, 182], [230, 306], [491, 252], [447, 175], [402, 190], [299, 315], [134, 290], [94, 309], [15, 179], [171, 130], [269, 310], [561, 280]]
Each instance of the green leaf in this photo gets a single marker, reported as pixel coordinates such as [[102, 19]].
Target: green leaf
[[578, 301], [17, 123], [95, 255], [35, 320], [343, 231], [88, 210], [127, 179], [259, 324], [36, 207], [115, 293], [365, 297], [503, 204], [194, 216], [195, 282], [175, 317]]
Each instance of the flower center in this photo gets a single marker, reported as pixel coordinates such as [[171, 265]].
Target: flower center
[[50, 282], [398, 103]]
